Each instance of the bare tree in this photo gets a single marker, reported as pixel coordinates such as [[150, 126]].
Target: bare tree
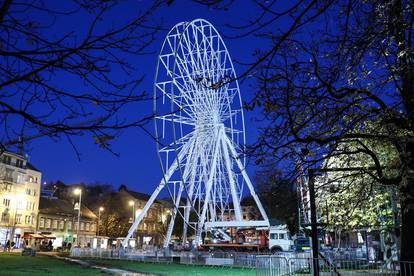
[[332, 69], [62, 83]]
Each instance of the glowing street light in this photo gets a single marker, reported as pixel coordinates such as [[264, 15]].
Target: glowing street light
[[132, 204], [78, 191]]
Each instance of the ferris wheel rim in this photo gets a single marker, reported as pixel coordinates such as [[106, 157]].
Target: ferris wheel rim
[[187, 25], [234, 101]]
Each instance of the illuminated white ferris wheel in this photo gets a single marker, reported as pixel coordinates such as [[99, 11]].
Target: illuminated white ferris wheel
[[199, 126]]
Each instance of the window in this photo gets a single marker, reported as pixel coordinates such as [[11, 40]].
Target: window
[[28, 191], [48, 222], [93, 227], [20, 178], [9, 175], [69, 225], [42, 223], [34, 192], [61, 225], [18, 218], [31, 179], [4, 217], [19, 163], [6, 202], [55, 224], [7, 159], [87, 226], [26, 219], [7, 187], [273, 236], [82, 226], [282, 236]]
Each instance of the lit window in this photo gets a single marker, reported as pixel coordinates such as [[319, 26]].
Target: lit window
[[61, 224], [82, 226], [42, 222], [55, 224], [48, 222], [69, 225]]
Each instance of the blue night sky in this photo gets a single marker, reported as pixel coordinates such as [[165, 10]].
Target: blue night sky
[[138, 165]]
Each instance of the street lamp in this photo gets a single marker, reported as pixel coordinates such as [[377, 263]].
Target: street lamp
[[99, 218], [132, 203], [78, 191]]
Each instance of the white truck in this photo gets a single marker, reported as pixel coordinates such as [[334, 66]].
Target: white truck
[[274, 239], [279, 239]]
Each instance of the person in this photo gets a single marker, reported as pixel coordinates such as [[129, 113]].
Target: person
[[12, 246], [8, 245], [50, 245]]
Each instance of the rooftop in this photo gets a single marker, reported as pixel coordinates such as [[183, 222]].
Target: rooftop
[[53, 205]]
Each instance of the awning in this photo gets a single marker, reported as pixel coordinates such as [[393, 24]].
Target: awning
[[49, 236], [33, 236]]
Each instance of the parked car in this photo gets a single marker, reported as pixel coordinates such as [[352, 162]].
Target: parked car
[[302, 244]]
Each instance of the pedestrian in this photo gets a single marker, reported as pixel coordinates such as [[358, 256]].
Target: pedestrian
[[8, 246]]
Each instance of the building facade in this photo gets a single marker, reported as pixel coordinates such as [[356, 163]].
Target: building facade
[[20, 185], [152, 228], [249, 212], [59, 220]]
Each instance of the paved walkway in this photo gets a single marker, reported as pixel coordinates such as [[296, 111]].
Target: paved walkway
[[113, 271]]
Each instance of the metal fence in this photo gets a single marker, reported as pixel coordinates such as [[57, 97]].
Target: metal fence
[[278, 265], [155, 256], [243, 260], [234, 259]]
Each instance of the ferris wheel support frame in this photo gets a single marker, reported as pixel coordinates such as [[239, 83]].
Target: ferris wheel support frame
[[203, 225]]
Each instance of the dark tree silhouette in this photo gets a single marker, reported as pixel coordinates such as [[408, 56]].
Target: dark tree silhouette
[[37, 52], [336, 67], [327, 70]]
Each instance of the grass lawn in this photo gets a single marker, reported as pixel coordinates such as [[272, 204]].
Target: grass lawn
[[14, 264], [174, 269]]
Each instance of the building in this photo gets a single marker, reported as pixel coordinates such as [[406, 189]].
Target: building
[[20, 185], [249, 212], [153, 227], [59, 220]]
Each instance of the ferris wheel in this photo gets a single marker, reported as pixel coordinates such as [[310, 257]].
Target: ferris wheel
[[199, 127]]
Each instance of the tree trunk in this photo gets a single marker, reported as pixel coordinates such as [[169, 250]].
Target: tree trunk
[[407, 221]]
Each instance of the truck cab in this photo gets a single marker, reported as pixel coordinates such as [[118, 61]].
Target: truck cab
[[280, 239]]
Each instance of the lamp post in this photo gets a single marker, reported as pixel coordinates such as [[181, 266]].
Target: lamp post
[[99, 219], [132, 203], [78, 191]]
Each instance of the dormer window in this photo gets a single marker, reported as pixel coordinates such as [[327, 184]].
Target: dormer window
[[7, 159], [19, 163]]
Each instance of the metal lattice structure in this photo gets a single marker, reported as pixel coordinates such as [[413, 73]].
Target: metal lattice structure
[[199, 126]]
